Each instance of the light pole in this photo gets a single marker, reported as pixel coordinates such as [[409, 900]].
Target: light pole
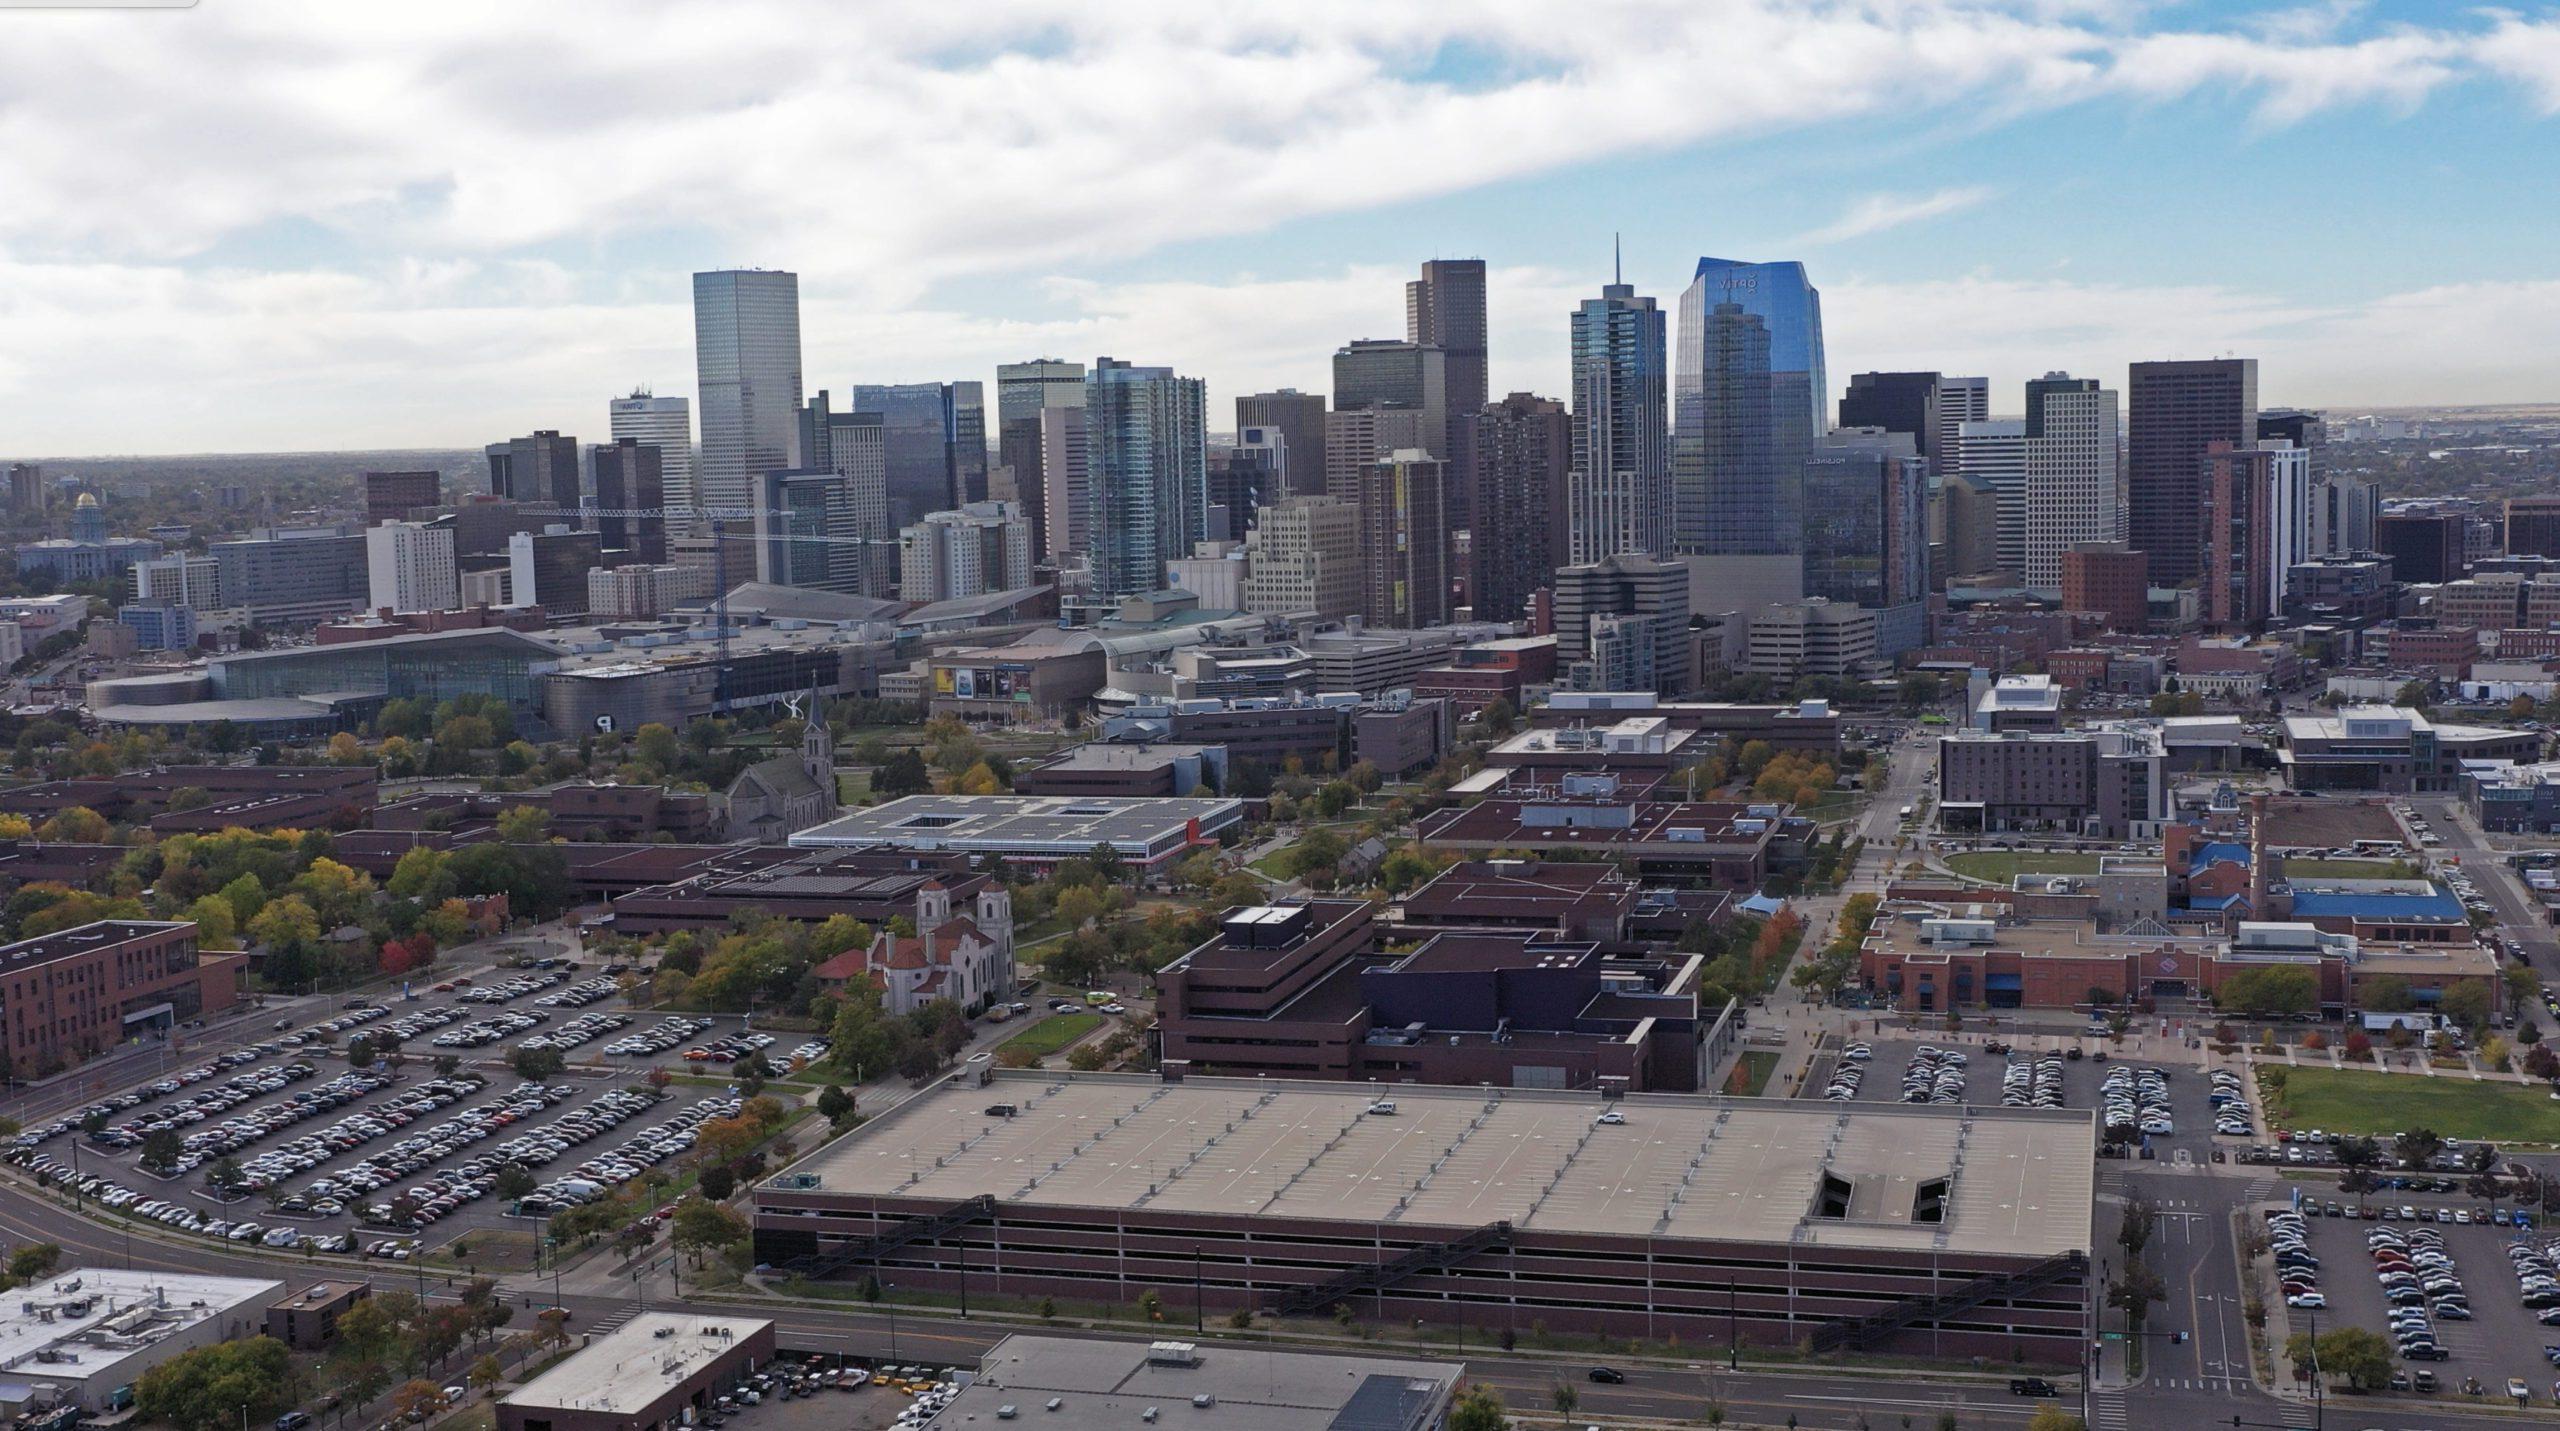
[[885, 1289]]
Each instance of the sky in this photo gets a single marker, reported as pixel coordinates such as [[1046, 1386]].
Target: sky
[[260, 225]]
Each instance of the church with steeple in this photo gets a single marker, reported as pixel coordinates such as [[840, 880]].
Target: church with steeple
[[773, 799]]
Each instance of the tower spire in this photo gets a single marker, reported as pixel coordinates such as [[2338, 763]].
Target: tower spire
[[1618, 258]]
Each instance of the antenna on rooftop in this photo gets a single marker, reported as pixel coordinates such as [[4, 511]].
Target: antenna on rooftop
[[1618, 258]]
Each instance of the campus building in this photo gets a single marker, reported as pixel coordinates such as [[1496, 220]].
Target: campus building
[[76, 993]]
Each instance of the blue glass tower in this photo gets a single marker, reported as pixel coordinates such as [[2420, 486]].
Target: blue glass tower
[[1737, 467], [1618, 489], [1147, 480]]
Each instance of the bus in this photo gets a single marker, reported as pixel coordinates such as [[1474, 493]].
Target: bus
[[1906, 812]]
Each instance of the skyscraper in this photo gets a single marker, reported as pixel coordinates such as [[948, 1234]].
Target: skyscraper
[[1523, 449], [1300, 419], [631, 479], [1023, 392], [2070, 483], [1444, 308], [1866, 538], [1404, 540], [1991, 454], [1727, 427], [1896, 402], [1380, 373], [540, 470], [804, 518], [665, 423], [1960, 400], [1619, 488], [1753, 509], [1065, 478], [746, 353], [982, 547], [1606, 609], [26, 487], [1242, 481], [853, 445], [392, 496], [1305, 558], [1146, 481], [1358, 438], [2177, 412], [934, 438], [410, 567], [2256, 518]]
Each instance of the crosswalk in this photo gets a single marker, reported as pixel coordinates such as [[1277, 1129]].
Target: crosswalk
[[615, 1318], [2106, 1412]]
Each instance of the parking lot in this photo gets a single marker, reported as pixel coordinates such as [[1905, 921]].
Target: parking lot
[[390, 1161], [2050, 1078], [2453, 1288]]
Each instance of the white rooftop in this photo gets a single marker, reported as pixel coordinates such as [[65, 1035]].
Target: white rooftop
[[622, 1373], [76, 1324]]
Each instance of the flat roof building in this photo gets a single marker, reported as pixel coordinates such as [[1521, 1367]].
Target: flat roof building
[[76, 993], [660, 1369], [1894, 1228], [1033, 828], [82, 1335], [1085, 1384], [1730, 846]]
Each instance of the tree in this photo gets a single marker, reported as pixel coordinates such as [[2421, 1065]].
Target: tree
[[1480, 1409], [162, 1149], [834, 1104], [78, 825], [210, 1388], [1565, 1399], [514, 1181], [537, 1064], [413, 1399], [524, 824], [2137, 1291], [2468, 1003], [2134, 1232], [34, 1261], [2269, 991], [217, 927], [486, 1373], [2359, 1355], [704, 1226], [2051, 1417], [2418, 1147], [903, 773]]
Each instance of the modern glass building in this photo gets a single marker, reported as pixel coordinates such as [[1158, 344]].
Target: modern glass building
[[1619, 489], [933, 443], [1866, 530], [1146, 483], [746, 353], [1749, 507]]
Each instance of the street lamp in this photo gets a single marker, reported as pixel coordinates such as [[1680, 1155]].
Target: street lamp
[[885, 1289]]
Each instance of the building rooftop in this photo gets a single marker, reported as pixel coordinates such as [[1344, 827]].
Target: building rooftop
[[78, 1323], [1026, 823], [2019, 1181], [2408, 901], [1120, 755], [2022, 693], [621, 1373], [1112, 1383], [1519, 889], [1602, 822], [84, 939]]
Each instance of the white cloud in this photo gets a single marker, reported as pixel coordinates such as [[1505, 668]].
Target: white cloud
[[1877, 212]]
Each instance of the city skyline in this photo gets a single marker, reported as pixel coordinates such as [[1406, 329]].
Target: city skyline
[[455, 262]]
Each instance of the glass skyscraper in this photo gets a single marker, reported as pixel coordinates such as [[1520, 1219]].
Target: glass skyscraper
[[1146, 484], [746, 353], [1730, 499], [1618, 492], [934, 440]]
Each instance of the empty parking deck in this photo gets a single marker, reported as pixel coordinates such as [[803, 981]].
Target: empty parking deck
[[1105, 1185]]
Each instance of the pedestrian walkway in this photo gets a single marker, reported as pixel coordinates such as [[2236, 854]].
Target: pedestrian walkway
[[2107, 1413], [614, 1318]]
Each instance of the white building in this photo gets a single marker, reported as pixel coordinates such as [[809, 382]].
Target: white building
[[634, 592], [1065, 479], [179, 579], [1214, 572], [41, 616], [79, 1337], [1304, 557], [2072, 491], [665, 423], [409, 567], [979, 548], [1813, 637], [1993, 456]]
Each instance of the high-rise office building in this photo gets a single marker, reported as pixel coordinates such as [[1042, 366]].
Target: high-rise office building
[[1065, 477], [1404, 540], [1304, 558], [1734, 503], [550, 569], [746, 352], [1726, 426], [293, 577], [1146, 479], [1023, 392], [396, 496], [179, 579], [2426, 548], [665, 423], [1242, 481], [1618, 490], [804, 531], [1382, 374], [1866, 530], [2256, 520], [1270, 447], [1906, 403], [409, 566], [1960, 400], [26, 487], [541, 470], [1618, 591], [934, 438], [1991, 454], [1444, 308], [631, 499], [980, 548], [1523, 449], [1358, 438], [2176, 412], [854, 446], [1300, 420], [2070, 491]]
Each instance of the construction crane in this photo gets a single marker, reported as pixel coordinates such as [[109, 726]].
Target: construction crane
[[718, 517]]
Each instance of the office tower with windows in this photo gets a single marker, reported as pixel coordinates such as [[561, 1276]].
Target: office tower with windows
[[1906, 403], [631, 499], [26, 487], [1300, 420], [1271, 446], [1731, 501], [1304, 558], [1404, 540], [1023, 392], [1381, 375], [1242, 481], [934, 438], [409, 566], [1960, 400], [1523, 449], [1146, 483], [1444, 308], [980, 548], [2070, 491], [395, 496], [2256, 519], [541, 470], [1866, 536], [2176, 412], [804, 529], [1065, 476], [1617, 592], [1618, 490], [854, 445], [1357, 439], [665, 423], [1991, 454], [746, 352]]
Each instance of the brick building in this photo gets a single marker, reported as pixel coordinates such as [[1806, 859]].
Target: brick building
[[77, 993], [2110, 581]]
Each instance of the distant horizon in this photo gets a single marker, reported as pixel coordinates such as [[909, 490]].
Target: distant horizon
[[359, 229]]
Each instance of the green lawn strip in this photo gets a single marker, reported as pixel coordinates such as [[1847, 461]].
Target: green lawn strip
[[1054, 1033], [2002, 866], [2341, 1100], [1750, 1077], [2338, 869]]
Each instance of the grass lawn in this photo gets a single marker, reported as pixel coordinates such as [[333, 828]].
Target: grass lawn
[[2003, 866], [1054, 1033], [2347, 1100], [2338, 869], [853, 786], [1750, 1076]]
